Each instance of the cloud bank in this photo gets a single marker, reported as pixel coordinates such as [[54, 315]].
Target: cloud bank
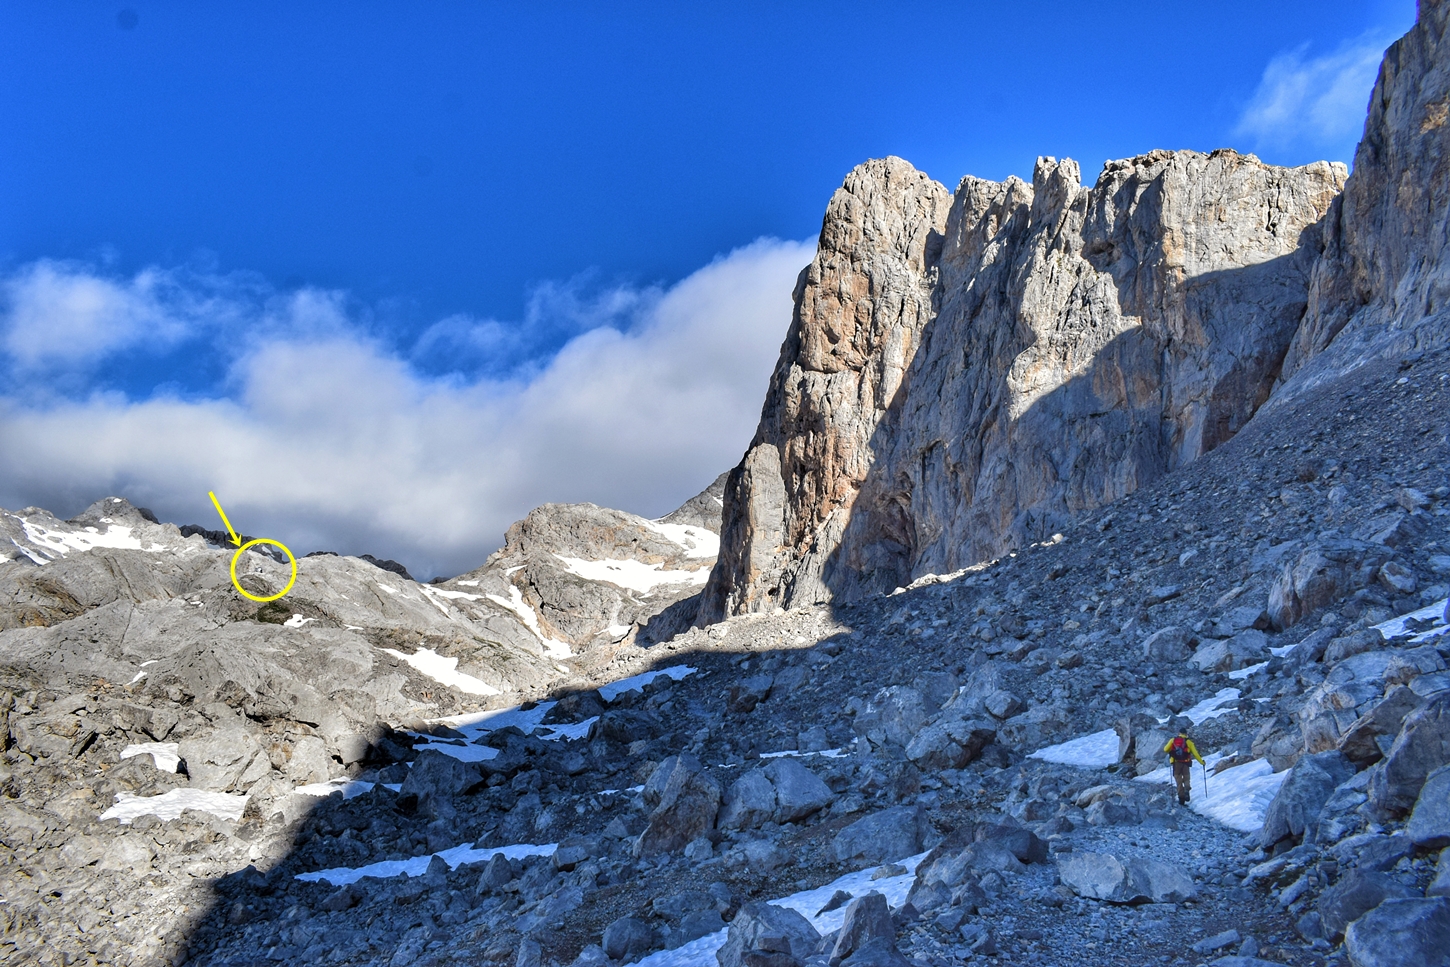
[[330, 434], [1316, 103]]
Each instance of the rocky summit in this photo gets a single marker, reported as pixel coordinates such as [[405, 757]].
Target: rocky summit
[[1046, 474]]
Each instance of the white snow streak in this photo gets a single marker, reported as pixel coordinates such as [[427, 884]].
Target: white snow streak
[[1398, 626], [615, 689], [418, 865], [515, 603], [697, 541]]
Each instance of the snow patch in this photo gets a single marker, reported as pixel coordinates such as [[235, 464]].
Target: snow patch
[[1209, 707], [63, 542], [296, 621], [1096, 751], [418, 865], [171, 805], [1238, 797], [163, 754], [630, 574], [697, 541], [1400, 626], [1246, 671], [445, 671], [615, 689], [701, 952], [350, 788]]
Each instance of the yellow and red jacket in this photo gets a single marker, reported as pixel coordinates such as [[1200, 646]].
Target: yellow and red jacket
[[1192, 749]]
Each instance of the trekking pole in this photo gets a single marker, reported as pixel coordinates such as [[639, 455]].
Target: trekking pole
[[1205, 779]]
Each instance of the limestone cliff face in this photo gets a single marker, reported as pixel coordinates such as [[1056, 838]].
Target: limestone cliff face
[[965, 374], [1383, 285]]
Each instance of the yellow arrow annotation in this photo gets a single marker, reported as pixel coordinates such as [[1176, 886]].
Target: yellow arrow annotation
[[218, 504], [242, 547]]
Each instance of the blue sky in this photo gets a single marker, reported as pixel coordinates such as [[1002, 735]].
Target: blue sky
[[457, 193]]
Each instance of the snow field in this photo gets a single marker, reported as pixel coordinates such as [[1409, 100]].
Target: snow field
[[1238, 797], [1096, 751], [1399, 626], [697, 541]]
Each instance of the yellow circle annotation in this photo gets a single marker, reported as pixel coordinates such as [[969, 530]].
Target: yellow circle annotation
[[247, 594]]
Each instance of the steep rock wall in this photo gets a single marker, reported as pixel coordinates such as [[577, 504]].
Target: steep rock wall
[[959, 378], [1383, 285]]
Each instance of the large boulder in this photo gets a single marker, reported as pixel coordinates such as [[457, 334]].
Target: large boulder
[[1323, 573], [769, 929], [1243, 649], [627, 938], [1171, 645], [216, 761], [1103, 876], [799, 792], [867, 919], [688, 803], [898, 712], [1302, 796], [437, 774], [1429, 825], [1401, 933], [1356, 893], [1362, 742], [749, 801], [1422, 746], [950, 744], [882, 837]]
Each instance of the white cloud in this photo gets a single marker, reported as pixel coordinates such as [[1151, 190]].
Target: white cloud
[[1314, 102], [332, 440]]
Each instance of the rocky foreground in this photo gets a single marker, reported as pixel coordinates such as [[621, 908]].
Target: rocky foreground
[[1274, 593]]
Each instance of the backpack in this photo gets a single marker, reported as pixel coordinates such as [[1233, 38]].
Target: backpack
[[1179, 750]]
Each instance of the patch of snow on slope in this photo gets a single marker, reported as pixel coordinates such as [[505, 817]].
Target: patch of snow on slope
[[63, 542], [697, 541], [443, 593], [1096, 751], [418, 865], [615, 689], [350, 788], [462, 751], [171, 805], [630, 574], [701, 952], [1238, 797], [163, 754], [1399, 626], [1246, 671], [1210, 708], [515, 603], [445, 671], [296, 621]]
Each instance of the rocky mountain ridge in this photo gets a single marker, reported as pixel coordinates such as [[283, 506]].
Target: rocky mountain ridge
[[967, 372]]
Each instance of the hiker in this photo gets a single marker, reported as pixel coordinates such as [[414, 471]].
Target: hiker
[[1181, 752]]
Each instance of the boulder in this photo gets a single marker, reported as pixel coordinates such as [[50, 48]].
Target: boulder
[[687, 806], [1103, 876], [749, 801], [1002, 704], [1302, 795], [1020, 841], [217, 760], [1440, 885], [1422, 746], [1401, 933], [901, 712], [1323, 572], [746, 693], [1362, 743], [1356, 893], [950, 744], [1429, 825], [799, 792], [882, 837], [766, 928], [867, 918], [436, 774], [1169, 645], [627, 938], [1243, 649]]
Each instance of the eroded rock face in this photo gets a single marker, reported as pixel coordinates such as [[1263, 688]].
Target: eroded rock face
[[963, 376]]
